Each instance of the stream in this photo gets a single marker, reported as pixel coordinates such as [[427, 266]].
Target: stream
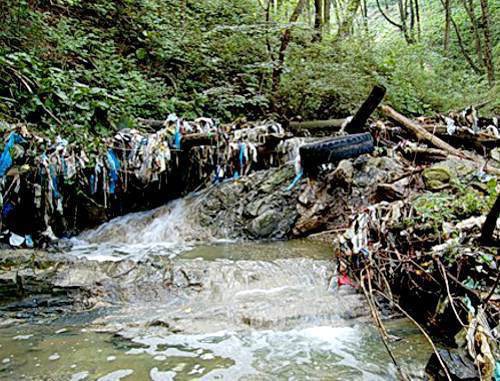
[[171, 302]]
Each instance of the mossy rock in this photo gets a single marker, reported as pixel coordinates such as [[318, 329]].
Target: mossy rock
[[441, 175]]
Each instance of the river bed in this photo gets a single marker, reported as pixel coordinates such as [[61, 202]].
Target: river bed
[[265, 312], [154, 296]]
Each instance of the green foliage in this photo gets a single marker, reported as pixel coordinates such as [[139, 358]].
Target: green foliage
[[461, 202], [78, 67]]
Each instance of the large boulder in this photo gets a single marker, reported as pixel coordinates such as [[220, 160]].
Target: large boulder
[[257, 206], [459, 366]]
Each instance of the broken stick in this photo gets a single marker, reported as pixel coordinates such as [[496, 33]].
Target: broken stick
[[367, 108]]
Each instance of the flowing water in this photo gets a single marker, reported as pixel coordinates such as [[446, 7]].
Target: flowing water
[[227, 310]]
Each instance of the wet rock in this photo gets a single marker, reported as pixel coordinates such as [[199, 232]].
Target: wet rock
[[327, 202], [460, 367]]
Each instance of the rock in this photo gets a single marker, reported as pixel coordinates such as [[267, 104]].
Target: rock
[[460, 367], [437, 178], [255, 206], [343, 174], [441, 175], [264, 225], [394, 191]]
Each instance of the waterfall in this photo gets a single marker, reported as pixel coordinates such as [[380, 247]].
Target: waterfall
[[166, 230]]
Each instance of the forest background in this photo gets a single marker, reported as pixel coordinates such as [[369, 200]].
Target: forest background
[[84, 69]]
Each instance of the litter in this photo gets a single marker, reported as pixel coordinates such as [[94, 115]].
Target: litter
[[16, 240]]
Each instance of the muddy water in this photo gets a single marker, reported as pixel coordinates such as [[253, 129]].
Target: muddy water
[[75, 352], [269, 318], [226, 311]]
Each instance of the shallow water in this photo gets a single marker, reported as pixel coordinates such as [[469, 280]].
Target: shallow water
[[58, 352], [231, 310]]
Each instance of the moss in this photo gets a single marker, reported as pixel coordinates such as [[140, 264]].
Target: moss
[[461, 202], [437, 178]]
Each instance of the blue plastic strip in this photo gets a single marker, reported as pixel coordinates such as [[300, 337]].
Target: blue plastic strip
[[242, 155], [295, 180], [6, 158], [114, 167], [177, 136], [53, 177], [92, 185]]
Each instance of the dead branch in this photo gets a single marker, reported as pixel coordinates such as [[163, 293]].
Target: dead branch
[[441, 362], [420, 132]]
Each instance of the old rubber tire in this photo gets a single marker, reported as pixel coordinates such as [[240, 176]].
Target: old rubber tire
[[332, 150]]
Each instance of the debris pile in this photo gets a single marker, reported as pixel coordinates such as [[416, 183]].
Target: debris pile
[[419, 244]]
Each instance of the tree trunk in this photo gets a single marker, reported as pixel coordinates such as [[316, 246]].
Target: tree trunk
[[412, 18], [469, 8], [326, 17], [346, 25], [399, 26], [485, 25], [318, 20], [417, 14], [308, 13], [462, 48], [447, 23], [338, 19], [403, 14], [285, 41], [365, 15]]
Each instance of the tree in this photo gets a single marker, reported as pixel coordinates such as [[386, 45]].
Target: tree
[[346, 24], [327, 10], [402, 25], [447, 12], [487, 48], [318, 20], [285, 41]]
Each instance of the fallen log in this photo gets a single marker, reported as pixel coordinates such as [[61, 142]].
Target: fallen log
[[465, 138], [155, 124], [367, 108], [480, 137], [199, 139], [315, 125], [422, 134], [424, 153]]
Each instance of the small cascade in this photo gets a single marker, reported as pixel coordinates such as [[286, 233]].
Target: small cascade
[[167, 230]]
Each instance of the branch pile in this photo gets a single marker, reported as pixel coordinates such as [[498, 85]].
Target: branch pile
[[420, 244]]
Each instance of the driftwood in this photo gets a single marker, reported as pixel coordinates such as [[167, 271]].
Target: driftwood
[[426, 154], [155, 124], [420, 132], [367, 108], [315, 125], [199, 139], [479, 138]]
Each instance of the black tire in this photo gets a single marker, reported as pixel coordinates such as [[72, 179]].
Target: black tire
[[332, 150]]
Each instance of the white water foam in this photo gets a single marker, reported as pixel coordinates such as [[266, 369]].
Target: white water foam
[[167, 230], [257, 353]]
